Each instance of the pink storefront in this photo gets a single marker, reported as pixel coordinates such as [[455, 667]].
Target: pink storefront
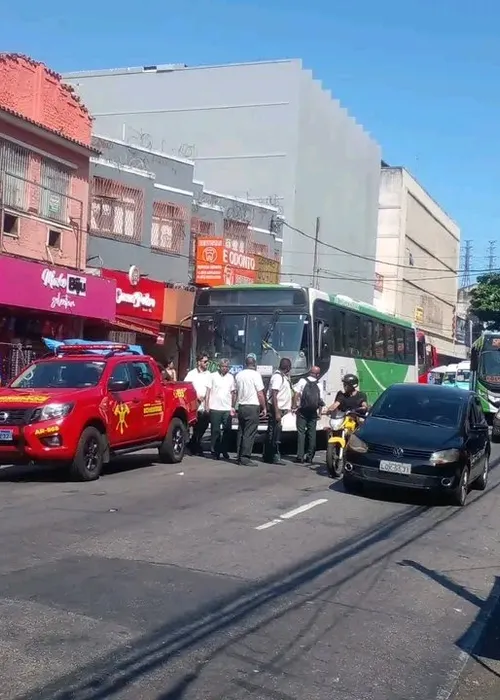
[[40, 300]]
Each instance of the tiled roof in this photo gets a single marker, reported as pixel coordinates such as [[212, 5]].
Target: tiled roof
[[14, 113]]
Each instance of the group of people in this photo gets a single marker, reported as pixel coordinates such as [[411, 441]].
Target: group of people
[[222, 396]]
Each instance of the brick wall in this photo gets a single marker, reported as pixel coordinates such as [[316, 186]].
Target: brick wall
[[37, 93]]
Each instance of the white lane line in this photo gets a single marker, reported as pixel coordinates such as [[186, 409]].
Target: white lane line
[[302, 509], [292, 513], [271, 523]]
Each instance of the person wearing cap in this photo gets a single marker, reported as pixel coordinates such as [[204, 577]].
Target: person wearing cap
[[251, 407]]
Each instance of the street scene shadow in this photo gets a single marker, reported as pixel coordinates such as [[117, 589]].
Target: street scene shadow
[[55, 474], [481, 641], [231, 621]]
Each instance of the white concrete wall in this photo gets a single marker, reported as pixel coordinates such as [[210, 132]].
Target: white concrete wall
[[413, 228]]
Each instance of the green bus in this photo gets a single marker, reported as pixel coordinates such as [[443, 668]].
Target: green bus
[[485, 371], [309, 327]]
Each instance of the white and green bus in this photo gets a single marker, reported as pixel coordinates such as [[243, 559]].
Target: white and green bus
[[485, 371], [309, 327]]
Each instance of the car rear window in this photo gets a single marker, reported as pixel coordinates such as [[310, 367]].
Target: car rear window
[[419, 406]]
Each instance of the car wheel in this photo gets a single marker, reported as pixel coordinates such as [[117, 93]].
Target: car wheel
[[172, 449], [481, 483], [351, 485], [495, 437], [89, 456], [462, 490]]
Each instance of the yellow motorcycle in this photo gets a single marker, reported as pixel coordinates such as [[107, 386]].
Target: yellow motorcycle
[[342, 425]]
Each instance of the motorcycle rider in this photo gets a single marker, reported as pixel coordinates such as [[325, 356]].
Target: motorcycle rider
[[350, 399]]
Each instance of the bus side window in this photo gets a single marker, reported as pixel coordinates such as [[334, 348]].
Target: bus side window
[[379, 340], [390, 342], [339, 332], [400, 344], [410, 347], [366, 338], [353, 335]]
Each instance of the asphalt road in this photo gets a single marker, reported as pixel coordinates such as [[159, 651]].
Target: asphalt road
[[212, 581]]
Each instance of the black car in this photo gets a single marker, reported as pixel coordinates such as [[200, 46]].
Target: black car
[[421, 436]]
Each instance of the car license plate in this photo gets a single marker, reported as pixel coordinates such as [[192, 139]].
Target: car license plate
[[395, 467], [6, 435]]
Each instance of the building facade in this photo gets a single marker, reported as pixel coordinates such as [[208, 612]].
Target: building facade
[[418, 253], [148, 218], [45, 151], [147, 210], [262, 132]]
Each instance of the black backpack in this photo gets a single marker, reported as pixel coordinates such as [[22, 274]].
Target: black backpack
[[310, 399]]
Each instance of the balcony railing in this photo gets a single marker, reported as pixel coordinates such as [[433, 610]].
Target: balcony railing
[[19, 195]]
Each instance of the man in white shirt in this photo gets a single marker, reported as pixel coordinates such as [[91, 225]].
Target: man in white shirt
[[279, 401], [251, 405], [220, 401], [200, 378], [308, 401]]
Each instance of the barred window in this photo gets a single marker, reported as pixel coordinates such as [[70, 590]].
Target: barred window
[[168, 227], [116, 210]]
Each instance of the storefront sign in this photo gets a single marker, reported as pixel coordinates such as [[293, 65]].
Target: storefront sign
[[418, 314], [137, 297], [218, 264], [460, 329], [33, 285], [267, 270], [66, 287]]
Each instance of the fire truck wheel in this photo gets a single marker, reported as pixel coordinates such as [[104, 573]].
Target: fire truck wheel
[[173, 446]]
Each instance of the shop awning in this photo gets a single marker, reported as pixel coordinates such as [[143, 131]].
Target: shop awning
[[143, 326]]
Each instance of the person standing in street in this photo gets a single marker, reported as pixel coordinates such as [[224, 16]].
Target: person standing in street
[[308, 403], [251, 406], [279, 400], [220, 400], [200, 378]]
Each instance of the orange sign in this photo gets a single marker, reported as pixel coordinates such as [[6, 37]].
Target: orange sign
[[218, 264]]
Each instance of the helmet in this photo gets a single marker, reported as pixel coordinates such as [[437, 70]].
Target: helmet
[[350, 380]]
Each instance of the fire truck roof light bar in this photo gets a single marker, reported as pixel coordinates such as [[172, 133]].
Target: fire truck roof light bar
[[103, 350]]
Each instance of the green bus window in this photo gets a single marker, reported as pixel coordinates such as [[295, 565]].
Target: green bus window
[[400, 344], [410, 347], [353, 335], [339, 332], [379, 340], [390, 342], [366, 338]]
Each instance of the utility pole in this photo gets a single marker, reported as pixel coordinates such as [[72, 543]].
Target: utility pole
[[491, 255], [315, 280], [467, 257]]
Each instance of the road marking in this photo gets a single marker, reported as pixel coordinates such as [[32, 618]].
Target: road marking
[[292, 513], [302, 509], [271, 523]]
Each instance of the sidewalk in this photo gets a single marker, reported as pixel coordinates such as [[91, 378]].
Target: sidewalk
[[481, 677]]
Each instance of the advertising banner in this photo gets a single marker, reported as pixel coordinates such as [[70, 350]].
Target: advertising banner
[[217, 264]]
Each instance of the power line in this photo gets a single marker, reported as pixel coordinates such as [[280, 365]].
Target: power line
[[375, 260]]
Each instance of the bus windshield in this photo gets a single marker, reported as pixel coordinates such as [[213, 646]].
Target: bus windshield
[[268, 336], [489, 366]]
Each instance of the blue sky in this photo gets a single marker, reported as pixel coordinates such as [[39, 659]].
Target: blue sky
[[422, 77]]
